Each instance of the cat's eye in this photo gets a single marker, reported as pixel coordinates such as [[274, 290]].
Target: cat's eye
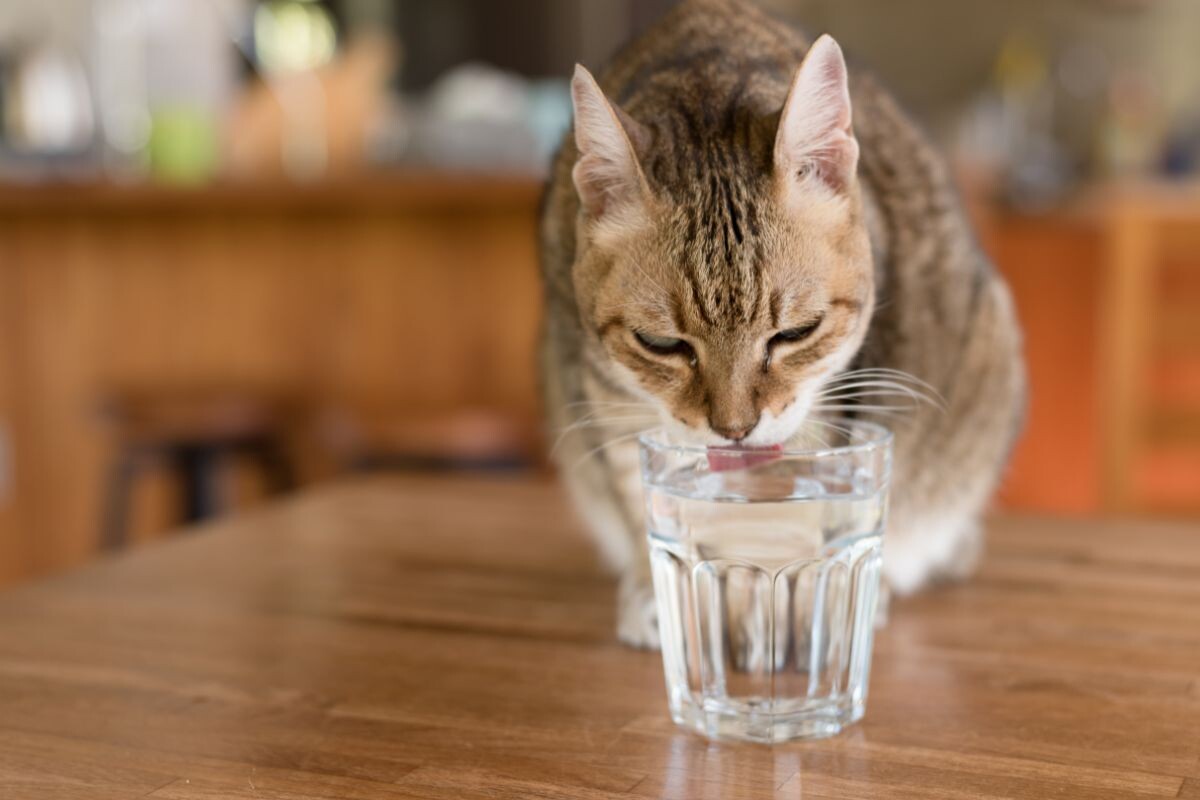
[[665, 345], [795, 334]]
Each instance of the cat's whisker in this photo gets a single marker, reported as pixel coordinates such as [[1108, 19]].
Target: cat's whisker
[[824, 425], [807, 438], [838, 404], [605, 445], [612, 416], [828, 425], [917, 394], [905, 404], [583, 424], [605, 403], [852, 392], [899, 377], [891, 375], [873, 379], [594, 421], [858, 401], [874, 409], [586, 412], [900, 387], [598, 413], [891, 401], [884, 373]]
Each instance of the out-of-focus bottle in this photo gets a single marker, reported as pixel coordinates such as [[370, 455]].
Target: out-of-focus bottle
[[48, 107], [119, 53], [165, 75], [1133, 130]]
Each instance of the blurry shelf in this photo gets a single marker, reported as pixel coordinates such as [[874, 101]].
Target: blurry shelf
[[1166, 200], [1094, 204], [398, 192]]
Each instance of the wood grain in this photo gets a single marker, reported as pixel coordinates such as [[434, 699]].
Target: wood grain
[[452, 638]]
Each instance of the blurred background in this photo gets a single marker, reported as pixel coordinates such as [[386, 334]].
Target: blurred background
[[250, 246]]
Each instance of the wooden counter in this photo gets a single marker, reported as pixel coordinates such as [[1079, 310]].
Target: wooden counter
[[454, 639], [410, 297], [405, 192]]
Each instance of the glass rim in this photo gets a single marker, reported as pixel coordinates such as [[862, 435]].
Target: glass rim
[[879, 437]]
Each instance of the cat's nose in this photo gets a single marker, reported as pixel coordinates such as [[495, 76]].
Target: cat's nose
[[733, 431]]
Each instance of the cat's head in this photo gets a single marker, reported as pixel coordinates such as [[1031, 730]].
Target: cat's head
[[725, 287]]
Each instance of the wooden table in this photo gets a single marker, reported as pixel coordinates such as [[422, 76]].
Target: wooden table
[[447, 638]]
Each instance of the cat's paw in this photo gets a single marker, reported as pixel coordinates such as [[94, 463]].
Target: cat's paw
[[637, 613], [883, 604]]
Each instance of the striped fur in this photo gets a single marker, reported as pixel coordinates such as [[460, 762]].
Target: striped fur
[[704, 236]]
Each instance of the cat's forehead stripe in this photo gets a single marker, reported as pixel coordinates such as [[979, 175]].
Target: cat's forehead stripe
[[706, 158], [719, 244]]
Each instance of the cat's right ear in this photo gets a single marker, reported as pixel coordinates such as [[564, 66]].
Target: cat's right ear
[[815, 136], [607, 173]]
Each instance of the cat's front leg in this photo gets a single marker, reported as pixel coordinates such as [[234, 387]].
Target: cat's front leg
[[616, 526], [605, 485], [883, 605], [637, 612], [918, 551]]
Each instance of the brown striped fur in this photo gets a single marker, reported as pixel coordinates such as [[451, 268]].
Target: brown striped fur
[[713, 242]]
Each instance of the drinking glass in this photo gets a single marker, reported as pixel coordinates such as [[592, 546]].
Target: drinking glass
[[766, 575]]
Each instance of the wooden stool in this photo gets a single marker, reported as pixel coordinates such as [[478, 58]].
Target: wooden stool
[[194, 432]]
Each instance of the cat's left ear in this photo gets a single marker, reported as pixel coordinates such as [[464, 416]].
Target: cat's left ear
[[815, 139], [607, 173]]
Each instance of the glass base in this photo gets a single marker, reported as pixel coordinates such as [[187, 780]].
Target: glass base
[[812, 721]]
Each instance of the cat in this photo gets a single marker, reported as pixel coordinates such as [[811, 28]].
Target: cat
[[739, 235]]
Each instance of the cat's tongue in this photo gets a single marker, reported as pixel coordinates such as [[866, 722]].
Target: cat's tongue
[[724, 459]]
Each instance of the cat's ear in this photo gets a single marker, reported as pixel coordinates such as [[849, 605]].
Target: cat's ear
[[815, 139], [607, 172]]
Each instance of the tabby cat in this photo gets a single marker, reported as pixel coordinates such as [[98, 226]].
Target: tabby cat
[[741, 236]]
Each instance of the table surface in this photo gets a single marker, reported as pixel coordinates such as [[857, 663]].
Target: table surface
[[452, 638]]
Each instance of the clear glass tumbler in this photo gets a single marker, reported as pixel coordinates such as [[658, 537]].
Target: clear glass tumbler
[[766, 572]]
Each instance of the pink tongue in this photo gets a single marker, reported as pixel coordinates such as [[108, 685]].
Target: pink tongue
[[725, 459]]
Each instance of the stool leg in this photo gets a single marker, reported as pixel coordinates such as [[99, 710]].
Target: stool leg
[[278, 468], [114, 531], [200, 469]]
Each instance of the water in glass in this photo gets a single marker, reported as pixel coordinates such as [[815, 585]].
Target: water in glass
[[766, 581]]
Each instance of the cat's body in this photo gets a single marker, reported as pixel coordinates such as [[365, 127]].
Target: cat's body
[[699, 100]]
